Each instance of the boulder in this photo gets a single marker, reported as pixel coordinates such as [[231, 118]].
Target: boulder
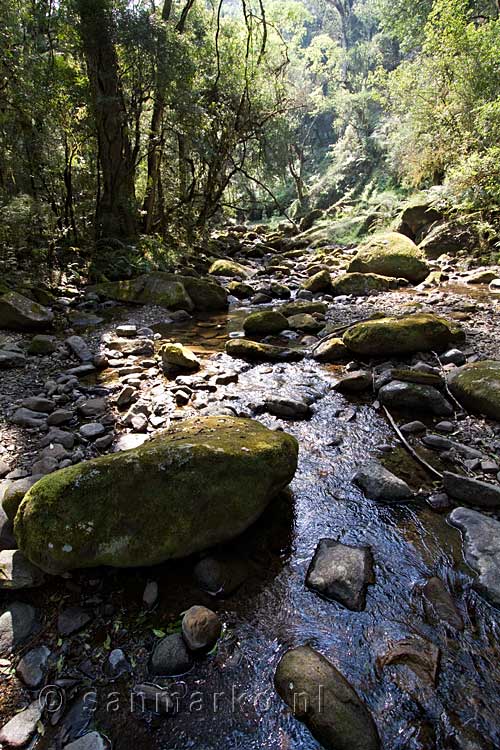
[[362, 284], [265, 322], [415, 217], [378, 483], [482, 548], [240, 290], [391, 254], [319, 282], [331, 351], [341, 572], [179, 356], [477, 387], [229, 269], [471, 491], [258, 352], [448, 237], [22, 314], [414, 398], [305, 323], [300, 307], [423, 332], [198, 484], [173, 291], [321, 697]]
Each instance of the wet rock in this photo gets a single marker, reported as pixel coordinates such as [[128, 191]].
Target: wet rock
[[331, 351], [20, 729], [32, 667], [22, 314], [240, 290], [414, 333], [17, 622], [201, 628], [320, 697], [220, 577], [319, 282], [171, 656], [89, 741], [10, 360], [258, 352], [439, 601], [341, 572], [265, 322], [78, 346], [72, 620], [42, 344], [362, 284], [354, 382], [471, 491], [439, 501], [419, 654], [150, 595], [391, 254], [453, 357], [202, 482], [481, 548], [147, 697], [92, 430], [125, 397], [477, 387], [380, 484], [29, 418], [179, 356], [413, 428], [287, 407], [16, 572], [305, 323], [411, 397]]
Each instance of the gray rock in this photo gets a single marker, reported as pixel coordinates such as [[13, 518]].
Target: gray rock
[[89, 741], [471, 491], [92, 431], [87, 369], [60, 416], [171, 656], [16, 571], [92, 407], [222, 576], [380, 484], [200, 628], [341, 572], [414, 397], [287, 407], [10, 360], [481, 548], [20, 729], [437, 442], [125, 397], [453, 357], [413, 428], [42, 344], [16, 623], [29, 418], [118, 664], [33, 666], [321, 697], [79, 348], [7, 539], [354, 382], [150, 594], [22, 314], [446, 427], [61, 437], [126, 331], [72, 620], [38, 403], [4, 468], [147, 697]]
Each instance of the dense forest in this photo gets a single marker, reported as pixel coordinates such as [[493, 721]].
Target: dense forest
[[250, 374], [150, 125]]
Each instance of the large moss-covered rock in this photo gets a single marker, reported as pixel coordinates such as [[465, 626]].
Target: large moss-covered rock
[[175, 292], [224, 267], [413, 333], [391, 254], [477, 387], [256, 352], [415, 217], [264, 322], [22, 314], [319, 282], [361, 284], [196, 485]]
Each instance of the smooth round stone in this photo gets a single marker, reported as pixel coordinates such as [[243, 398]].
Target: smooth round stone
[[92, 431], [171, 656], [200, 628]]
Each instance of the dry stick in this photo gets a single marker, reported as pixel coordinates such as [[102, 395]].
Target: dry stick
[[408, 447], [450, 394]]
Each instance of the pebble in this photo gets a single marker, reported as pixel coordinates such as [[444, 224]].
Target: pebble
[[72, 620], [118, 663], [33, 666], [201, 628], [92, 431], [89, 741], [171, 656], [21, 728], [341, 572], [150, 595]]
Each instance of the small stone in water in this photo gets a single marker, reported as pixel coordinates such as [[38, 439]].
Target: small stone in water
[[200, 628]]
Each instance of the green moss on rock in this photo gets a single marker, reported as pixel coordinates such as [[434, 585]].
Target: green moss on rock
[[361, 284], [223, 267], [477, 387], [407, 335], [319, 282], [265, 322], [257, 352], [198, 484], [391, 254]]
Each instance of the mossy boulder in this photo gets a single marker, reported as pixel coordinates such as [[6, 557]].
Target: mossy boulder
[[477, 387], [299, 307], [172, 291], [331, 351], [361, 284], [19, 313], [256, 352], [196, 485], [229, 268], [319, 282], [265, 322], [408, 335], [177, 356], [391, 254], [240, 290]]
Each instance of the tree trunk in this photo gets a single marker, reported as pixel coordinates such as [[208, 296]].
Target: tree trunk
[[116, 210]]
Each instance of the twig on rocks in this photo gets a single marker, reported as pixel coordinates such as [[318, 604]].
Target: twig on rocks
[[411, 451]]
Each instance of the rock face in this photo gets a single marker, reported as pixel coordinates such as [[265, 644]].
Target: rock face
[[199, 484], [380, 484], [22, 314], [172, 291], [265, 322], [391, 254], [407, 335], [320, 696], [471, 491], [481, 548], [341, 572], [361, 284], [477, 387]]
